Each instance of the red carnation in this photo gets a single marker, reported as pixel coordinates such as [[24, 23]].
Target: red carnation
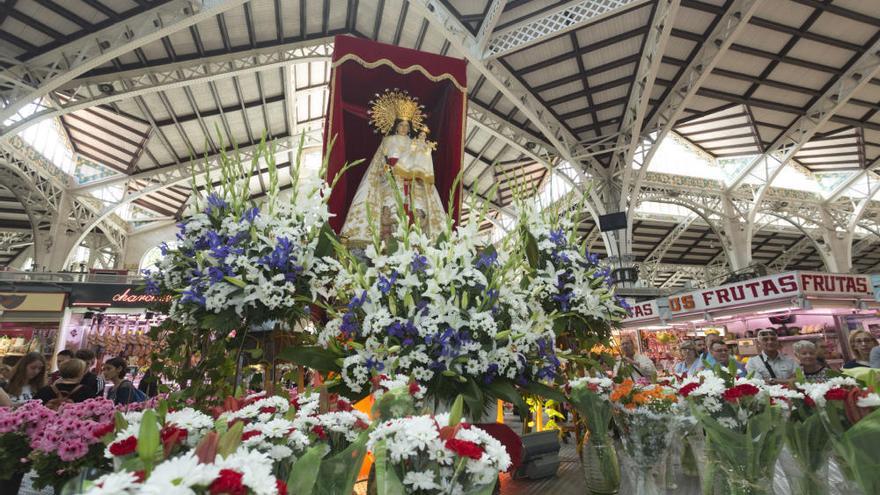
[[140, 476], [249, 434], [808, 401], [102, 430], [268, 409], [464, 448], [733, 394], [282, 487], [836, 394], [228, 482], [343, 405], [171, 435], [319, 430], [359, 424], [414, 388], [687, 389], [124, 447]]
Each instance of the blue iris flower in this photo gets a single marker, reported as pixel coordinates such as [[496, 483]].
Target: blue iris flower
[[557, 237], [215, 201], [350, 326], [356, 301], [250, 214], [193, 295], [419, 263], [374, 363], [152, 288], [163, 248], [385, 284], [486, 260]]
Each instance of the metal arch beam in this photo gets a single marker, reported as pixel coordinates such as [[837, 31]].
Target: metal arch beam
[[640, 93], [783, 260], [560, 20], [87, 93], [669, 111], [32, 80], [868, 174], [656, 255], [768, 165], [564, 141], [487, 27]]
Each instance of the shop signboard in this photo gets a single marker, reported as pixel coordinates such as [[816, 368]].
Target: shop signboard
[[112, 296], [32, 301], [758, 290], [836, 285], [645, 310]]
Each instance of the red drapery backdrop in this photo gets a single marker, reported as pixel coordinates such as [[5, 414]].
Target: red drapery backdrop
[[363, 68]]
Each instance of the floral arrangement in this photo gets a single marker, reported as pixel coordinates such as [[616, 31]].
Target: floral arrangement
[[808, 443], [590, 398], [244, 472], [70, 441], [851, 414], [447, 313], [17, 426], [416, 455], [236, 261], [743, 420], [566, 280]]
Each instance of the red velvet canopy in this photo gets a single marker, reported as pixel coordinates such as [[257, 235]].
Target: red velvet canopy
[[363, 68]]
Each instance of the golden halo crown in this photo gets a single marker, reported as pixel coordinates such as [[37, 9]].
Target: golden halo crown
[[393, 105]]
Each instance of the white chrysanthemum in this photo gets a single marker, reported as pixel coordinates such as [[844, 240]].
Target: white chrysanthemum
[[420, 480], [256, 468], [871, 400], [121, 483], [184, 471]]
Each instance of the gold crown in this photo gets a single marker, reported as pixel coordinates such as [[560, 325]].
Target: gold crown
[[393, 105]]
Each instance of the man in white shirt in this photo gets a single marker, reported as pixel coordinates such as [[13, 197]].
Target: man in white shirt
[[640, 365], [770, 364]]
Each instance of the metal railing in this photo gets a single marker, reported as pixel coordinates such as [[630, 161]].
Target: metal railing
[[80, 277]]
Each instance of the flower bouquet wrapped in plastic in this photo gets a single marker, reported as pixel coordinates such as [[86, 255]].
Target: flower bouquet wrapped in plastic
[[435, 455], [809, 446], [646, 417], [851, 414], [589, 396], [744, 425]]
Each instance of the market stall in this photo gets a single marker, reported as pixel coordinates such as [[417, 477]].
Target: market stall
[[112, 320], [30, 319], [819, 307]]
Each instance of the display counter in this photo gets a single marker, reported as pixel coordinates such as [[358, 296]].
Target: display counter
[[30, 321]]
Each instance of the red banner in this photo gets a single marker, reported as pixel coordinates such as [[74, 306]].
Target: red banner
[[361, 70]]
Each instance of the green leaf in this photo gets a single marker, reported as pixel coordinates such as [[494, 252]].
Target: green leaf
[[313, 357], [473, 397], [236, 282], [504, 390], [304, 472], [456, 412], [120, 421], [531, 247], [230, 440], [325, 241], [148, 438]]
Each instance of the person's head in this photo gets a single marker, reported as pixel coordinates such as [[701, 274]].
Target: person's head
[[86, 355], [114, 369], [861, 343], [62, 357], [720, 352], [768, 340], [700, 346], [628, 348], [72, 369], [402, 128], [711, 338], [688, 350], [806, 353], [5, 371], [30, 370]]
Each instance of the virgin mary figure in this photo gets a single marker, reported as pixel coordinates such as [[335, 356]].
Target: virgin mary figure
[[404, 156]]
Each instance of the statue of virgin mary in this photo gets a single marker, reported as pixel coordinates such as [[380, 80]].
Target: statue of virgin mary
[[404, 155]]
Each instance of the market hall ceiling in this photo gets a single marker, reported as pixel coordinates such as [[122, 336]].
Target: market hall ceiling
[[149, 116]]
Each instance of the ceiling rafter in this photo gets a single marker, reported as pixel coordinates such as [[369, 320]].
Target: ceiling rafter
[[35, 79]]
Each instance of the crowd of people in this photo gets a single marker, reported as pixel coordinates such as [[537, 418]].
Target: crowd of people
[[770, 364], [76, 379]]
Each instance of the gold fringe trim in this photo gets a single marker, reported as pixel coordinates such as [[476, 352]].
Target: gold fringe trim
[[399, 70], [407, 175]]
